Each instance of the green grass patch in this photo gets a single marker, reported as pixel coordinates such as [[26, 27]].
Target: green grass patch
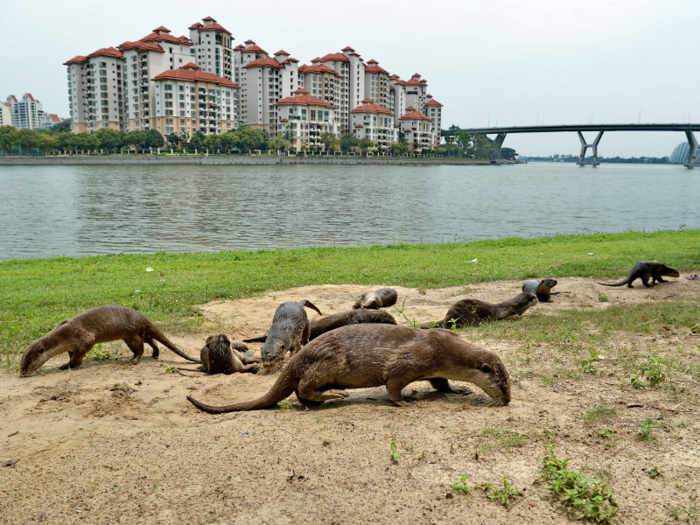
[[37, 294]]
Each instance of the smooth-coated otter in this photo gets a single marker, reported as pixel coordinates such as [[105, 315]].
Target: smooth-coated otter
[[366, 356], [219, 357], [289, 332], [542, 289], [101, 324], [646, 270], [382, 298], [359, 316], [472, 311]]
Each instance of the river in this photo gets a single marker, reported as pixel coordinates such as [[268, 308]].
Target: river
[[77, 211]]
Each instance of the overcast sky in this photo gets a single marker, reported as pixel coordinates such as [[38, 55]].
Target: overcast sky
[[498, 61]]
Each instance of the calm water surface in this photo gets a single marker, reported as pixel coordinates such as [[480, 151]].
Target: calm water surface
[[77, 211]]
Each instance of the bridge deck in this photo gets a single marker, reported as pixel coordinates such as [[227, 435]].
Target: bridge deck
[[586, 127]]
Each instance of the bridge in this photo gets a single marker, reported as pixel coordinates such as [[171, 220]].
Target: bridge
[[501, 133]]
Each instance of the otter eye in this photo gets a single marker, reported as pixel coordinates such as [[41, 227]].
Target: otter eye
[[41, 350], [486, 369]]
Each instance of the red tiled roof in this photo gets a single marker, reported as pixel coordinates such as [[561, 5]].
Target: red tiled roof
[[281, 52], [359, 126], [161, 28], [249, 42], [394, 76], [391, 88], [239, 46], [348, 48], [264, 62], [208, 19], [189, 74], [373, 61], [429, 95], [335, 57], [284, 120], [254, 49], [107, 52], [54, 117], [7, 103], [368, 101], [303, 100], [140, 46], [76, 60], [162, 37], [291, 59], [354, 55], [410, 108], [375, 69], [31, 97], [213, 27], [415, 115], [300, 91], [14, 98], [401, 83], [434, 103], [321, 68], [317, 59], [195, 25], [191, 65], [416, 75], [372, 108]]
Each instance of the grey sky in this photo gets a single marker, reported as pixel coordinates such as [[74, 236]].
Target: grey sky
[[503, 61]]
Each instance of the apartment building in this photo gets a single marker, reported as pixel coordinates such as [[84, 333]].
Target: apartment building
[[377, 83], [303, 119], [374, 122], [416, 91], [417, 130], [5, 114], [434, 112], [188, 100], [213, 48]]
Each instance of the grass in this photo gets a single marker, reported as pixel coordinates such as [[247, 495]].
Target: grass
[[37, 294]]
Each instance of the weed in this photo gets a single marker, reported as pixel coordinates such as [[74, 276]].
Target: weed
[[110, 467], [654, 472], [421, 456], [504, 496], [408, 447], [212, 517], [689, 514], [605, 433], [602, 298], [590, 499], [587, 364], [154, 488], [285, 404], [510, 439], [549, 380], [327, 443], [170, 370], [461, 487], [599, 413], [654, 370], [400, 311], [98, 353], [645, 429], [395, 455]]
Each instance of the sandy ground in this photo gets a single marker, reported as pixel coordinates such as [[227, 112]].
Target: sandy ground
[[109, 443]]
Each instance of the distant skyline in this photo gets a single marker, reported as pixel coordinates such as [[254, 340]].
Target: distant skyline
[[505, 62]]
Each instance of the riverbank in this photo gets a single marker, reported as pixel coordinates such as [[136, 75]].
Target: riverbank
[[39, 293], [243, 160]]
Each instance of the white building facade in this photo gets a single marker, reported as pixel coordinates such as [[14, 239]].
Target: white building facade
[[303, 119], [25, 113], [417, 130], [374, 122]]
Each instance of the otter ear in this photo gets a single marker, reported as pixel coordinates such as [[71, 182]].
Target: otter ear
[[61, 323], [486, 369]]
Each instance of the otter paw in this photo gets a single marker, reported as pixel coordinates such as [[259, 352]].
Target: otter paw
[[335, 394], [461, 391]]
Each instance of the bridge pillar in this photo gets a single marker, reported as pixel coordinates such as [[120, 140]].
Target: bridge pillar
[[497, 147], [692, 150], [585, 146]]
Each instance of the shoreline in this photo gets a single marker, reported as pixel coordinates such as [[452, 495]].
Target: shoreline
[[241, 160]]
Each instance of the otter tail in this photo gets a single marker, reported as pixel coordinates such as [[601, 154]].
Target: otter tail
[[432, 324], [621, 283], [160, 337], [309, 304], [260, 339], [282, 388]]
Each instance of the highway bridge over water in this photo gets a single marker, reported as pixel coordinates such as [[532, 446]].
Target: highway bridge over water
[[501, 134]]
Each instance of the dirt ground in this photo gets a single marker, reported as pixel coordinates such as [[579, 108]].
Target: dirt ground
[[110, 443]]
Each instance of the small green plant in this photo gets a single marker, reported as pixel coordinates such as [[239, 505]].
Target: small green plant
[[97, 352], [395, 455], [461, 487], [110, 467], [400, 311], [285, 404], [645, 429], [654, 370], [599, 413], [605, 433], [689, 514], [453, 324], [170, 370], [590, 499], [504, 496], [602, 298], [587, 365], [408, 447], [654, 471]]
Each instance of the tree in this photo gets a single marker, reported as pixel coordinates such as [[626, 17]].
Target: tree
[[228, 140], [27, 138], [250, 138], [154, 139], [110, 139], [174, 139], [365, 144], [8, 138], [330, 141], [348, 141], [508, 153], [197, 141], [85, 141], [279, 143], [136, 138], [400, 148], [212, 142], [61, 127], [46, 143]]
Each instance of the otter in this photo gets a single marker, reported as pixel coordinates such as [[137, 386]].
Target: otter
[[644, 270], [289, 331], [542, 289], [382, 298], [364, 356], [472, 311], [218, 357], [360, 316], [101, 324]]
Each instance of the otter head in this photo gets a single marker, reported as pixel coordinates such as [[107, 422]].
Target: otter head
[[492, 377], [670, 272], [278, 342], [549, 283], [524, 301], [218, 342], [52, 344]]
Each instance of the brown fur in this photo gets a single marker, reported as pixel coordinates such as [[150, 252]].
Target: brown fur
[[101, 324], [646, 270], [382, 298], [366, 356], [218, 357], [542, 289], [472, 312]]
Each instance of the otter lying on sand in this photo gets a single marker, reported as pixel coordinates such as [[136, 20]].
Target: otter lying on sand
[[382, 298], [101, 324], [366, 356], [645, 270], [219, 357], [472, 312], [542, 289]]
